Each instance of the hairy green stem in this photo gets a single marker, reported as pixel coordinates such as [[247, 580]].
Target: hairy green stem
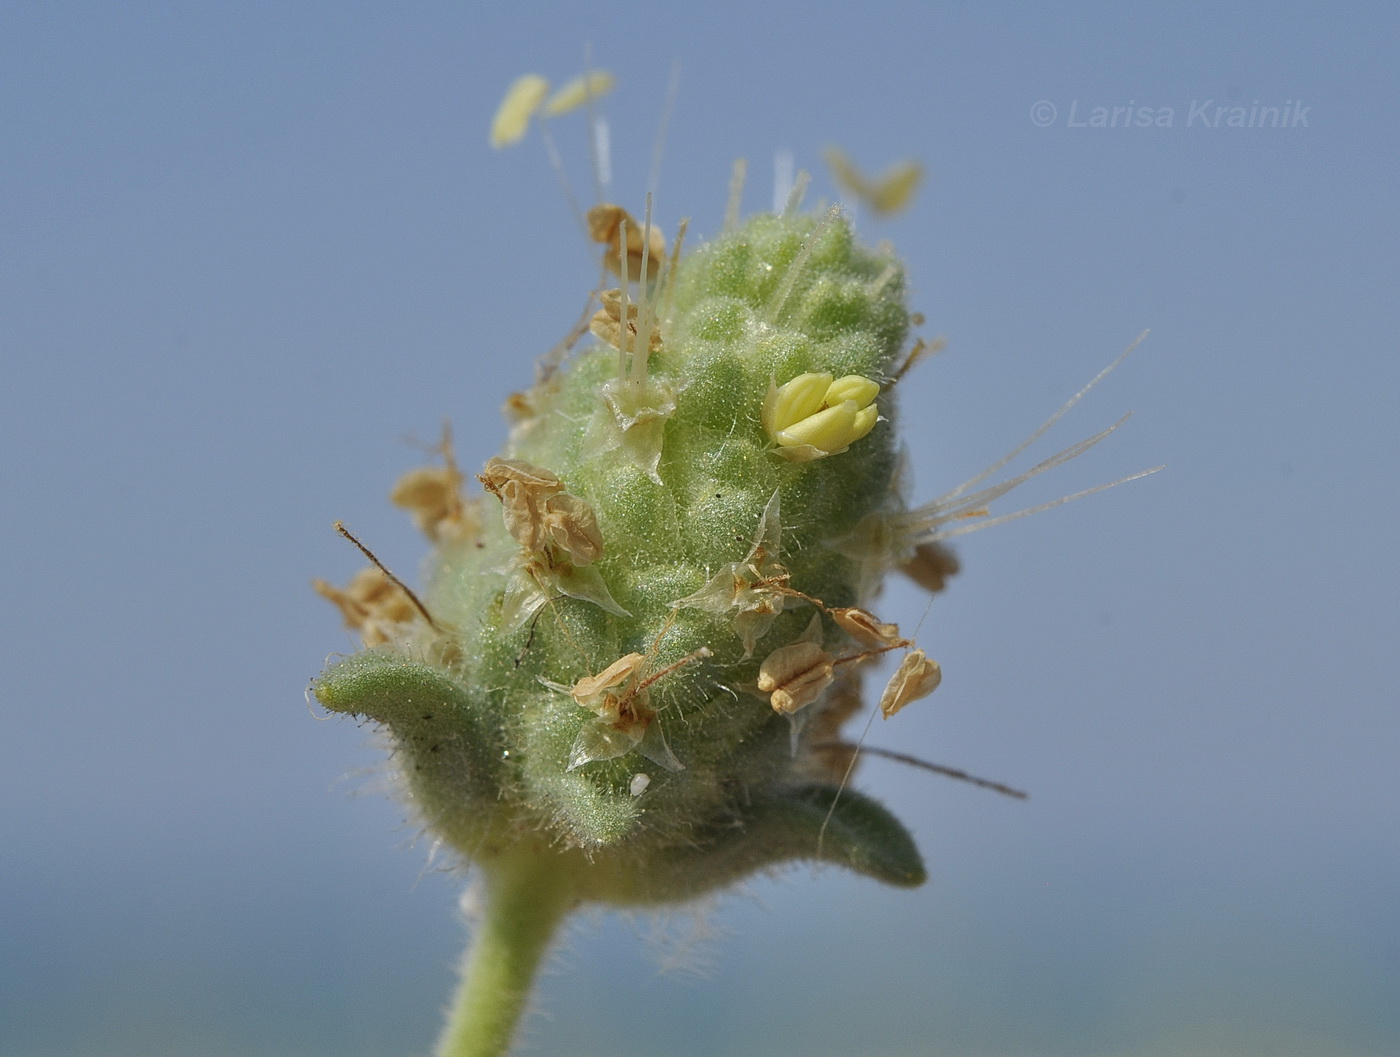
[[525, 900]]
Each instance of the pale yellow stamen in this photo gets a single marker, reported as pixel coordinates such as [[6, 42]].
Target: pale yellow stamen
[[592, 85], [521, 101], [813, 416]]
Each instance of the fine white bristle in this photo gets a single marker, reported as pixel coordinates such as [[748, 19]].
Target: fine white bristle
[[794, 272], [782, 179], [603, 153], [796, 193], [736, 194], [673, 87]]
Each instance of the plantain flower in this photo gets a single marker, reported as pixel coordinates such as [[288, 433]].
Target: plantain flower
[[814, 415]]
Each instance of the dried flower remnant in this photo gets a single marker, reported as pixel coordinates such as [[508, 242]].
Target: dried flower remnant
[[866, 628], [558, 536], [371, 604], [619, 696], [645, 245], [434, 498], [916, 677], [622, 707], [546, 521], [606, 325], [749, 593], [931, 566]]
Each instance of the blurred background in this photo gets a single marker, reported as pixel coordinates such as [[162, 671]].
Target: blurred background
[[250, 253]]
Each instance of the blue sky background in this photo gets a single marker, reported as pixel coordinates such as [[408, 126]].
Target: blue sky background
[[247, 249]]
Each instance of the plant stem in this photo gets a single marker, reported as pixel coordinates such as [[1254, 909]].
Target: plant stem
[[526, 898]]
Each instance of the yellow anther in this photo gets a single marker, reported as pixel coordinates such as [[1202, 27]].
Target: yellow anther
[[860, 391], [813, 415], [522, 99], [794, 401], [580, 90], [888, 193]]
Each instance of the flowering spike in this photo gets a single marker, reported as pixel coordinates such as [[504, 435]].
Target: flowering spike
[[628, 689]]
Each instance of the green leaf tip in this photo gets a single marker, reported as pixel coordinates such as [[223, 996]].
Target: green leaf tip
[[850, 829], [845, 828], [387, 688], [449, 757]]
